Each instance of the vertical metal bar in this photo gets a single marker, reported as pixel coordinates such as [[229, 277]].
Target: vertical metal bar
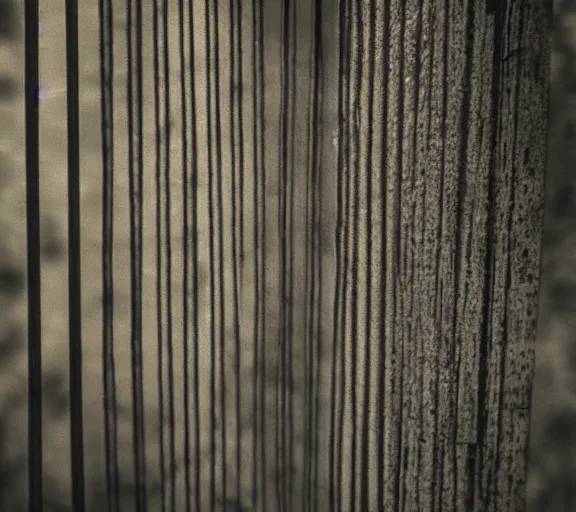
[[135, 174], [74, 270], [33, 248], [185, 255], [195, 266], [109, 371]]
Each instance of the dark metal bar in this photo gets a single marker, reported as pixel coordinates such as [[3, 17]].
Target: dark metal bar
[[33, 254], [109, 370], [74, 269]]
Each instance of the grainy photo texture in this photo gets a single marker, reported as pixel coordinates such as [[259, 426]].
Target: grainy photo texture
[[283, 255]]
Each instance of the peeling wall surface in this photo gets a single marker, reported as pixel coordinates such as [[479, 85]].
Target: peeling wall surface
[[248, 179]]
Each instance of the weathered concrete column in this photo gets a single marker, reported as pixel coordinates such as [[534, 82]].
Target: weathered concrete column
[[440, 194]]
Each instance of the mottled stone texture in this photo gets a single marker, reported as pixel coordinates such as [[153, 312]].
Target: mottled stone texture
[[443, 152]]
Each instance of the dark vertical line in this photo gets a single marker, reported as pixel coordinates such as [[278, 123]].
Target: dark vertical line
[[234, 169], [136, 282], [194, 229], [437, 282], [313, 266], [415, 160], [33, 255], [107, 131], [309, 280], [281, 384], [74, 269], [219, 202], [284, 422], [346, 176], [318, 226], [459, 219], [307, 338], [371, 57], [335, 438], [257, 297], [319, 345], [168, 241], [383, 259], [492, 230], [290, 318], [486, 322], [287, 244], [263, 309], [158, 184], [381, 431], [343, 317], [399, 485], [418, 265], [240, 111], [140, 105], [208, 41], [434, 387], [186, 259], [354, 173], [259, 248], [241, 155]]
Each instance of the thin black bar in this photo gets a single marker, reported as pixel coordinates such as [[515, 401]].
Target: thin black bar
[[74, 269], [109, 370], [168, 248], [135, 176], [31, 87], [195, 265], [186, 255]]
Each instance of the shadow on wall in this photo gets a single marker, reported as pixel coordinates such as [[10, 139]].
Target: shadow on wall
[[12, 283], [9, 21]]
